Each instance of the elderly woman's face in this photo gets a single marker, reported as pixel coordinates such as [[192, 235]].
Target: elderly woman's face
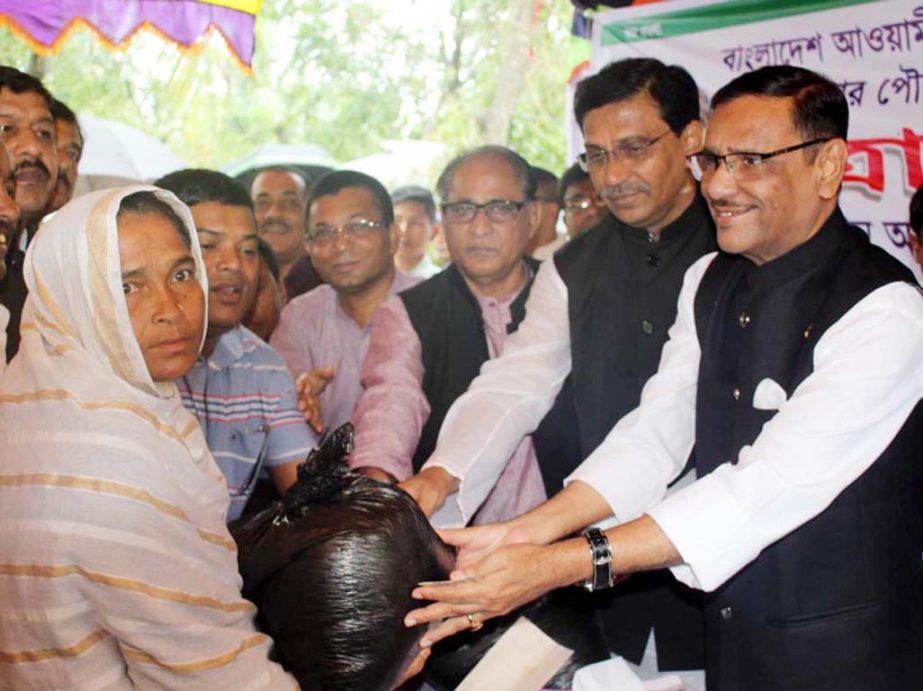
[[165, 301]]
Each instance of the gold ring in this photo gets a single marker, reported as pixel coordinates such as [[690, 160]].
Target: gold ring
[[475, 624]]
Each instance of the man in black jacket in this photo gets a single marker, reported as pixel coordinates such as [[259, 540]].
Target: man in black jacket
[[596, 323]]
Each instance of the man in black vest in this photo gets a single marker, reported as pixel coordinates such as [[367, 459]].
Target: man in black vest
[[794, 369], [430, 341], [596, 322]]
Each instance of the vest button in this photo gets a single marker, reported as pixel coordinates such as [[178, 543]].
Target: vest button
[[647, 327], [727, 613], [653, 260], [736, 394], [743, 319]]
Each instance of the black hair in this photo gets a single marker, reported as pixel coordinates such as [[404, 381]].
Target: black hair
[[339, 180], [146, 202], [21, 83], [60, 111], [519, 165], [572, 175], [417, 194], [820, 109], [670, 86], [916, 212], [199, 185], [331, 568], [269, 258], [545, 178]]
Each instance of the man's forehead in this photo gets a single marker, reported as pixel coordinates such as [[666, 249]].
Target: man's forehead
[[345, 203], [11, 103], [281, 181], [748, 123], [410, 207], [488, 175], [636, 116], [581, 188]]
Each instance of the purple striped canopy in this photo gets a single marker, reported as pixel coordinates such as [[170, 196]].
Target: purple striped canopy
[[44, 23]]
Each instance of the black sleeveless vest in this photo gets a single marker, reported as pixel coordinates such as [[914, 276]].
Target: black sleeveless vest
[[837, 603], [622, 293], [448, 322]]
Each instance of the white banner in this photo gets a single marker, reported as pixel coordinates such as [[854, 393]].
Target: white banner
[[873, 50]]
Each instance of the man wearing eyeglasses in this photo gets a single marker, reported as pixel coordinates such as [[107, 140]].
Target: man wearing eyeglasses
[[596, 323], [430, 341], [323, 335], [794, 370], [583, 209]]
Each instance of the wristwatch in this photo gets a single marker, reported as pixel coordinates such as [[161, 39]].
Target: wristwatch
[[602, 560]]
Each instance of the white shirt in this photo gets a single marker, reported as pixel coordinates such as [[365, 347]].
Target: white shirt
[[507, 400], [547, 251], [867, 378]]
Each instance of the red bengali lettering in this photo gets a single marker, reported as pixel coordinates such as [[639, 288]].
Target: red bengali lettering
[[871, 151]]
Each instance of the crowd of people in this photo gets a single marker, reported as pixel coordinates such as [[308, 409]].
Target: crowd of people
[[676, 376]]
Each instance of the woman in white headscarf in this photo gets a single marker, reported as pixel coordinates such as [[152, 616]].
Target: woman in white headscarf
[[116, 569]]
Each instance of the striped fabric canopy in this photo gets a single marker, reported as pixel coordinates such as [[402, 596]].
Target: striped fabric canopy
[[46, 24]]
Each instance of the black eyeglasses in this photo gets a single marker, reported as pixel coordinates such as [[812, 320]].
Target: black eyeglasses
[[325, 236], [496, 210], [632, 150], [742, 165]]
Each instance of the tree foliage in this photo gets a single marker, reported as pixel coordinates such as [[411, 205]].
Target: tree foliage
[[345, 75]]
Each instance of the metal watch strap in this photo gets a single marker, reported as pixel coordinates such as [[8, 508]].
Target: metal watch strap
[[602, 559]]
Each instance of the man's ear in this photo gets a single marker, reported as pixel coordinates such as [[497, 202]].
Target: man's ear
[[829, 167], [692, 137]]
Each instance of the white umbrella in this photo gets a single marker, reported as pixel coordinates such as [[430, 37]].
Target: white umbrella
[[299, 155], [403, 162], [118, 154]]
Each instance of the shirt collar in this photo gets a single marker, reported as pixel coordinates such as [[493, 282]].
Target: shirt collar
[[228, 349], [694, 214], [803, 258]]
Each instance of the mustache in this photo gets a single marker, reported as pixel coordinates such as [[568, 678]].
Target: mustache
[[629, 187], [36, 163]]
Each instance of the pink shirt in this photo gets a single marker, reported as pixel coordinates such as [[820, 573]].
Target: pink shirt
[[392, 411], [315, 332]]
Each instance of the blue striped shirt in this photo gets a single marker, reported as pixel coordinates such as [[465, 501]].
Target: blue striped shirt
[[244, 398]]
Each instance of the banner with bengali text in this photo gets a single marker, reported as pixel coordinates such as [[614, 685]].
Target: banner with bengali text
[[872, 49]]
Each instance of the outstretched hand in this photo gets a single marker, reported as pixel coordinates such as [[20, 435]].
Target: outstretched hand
[[309, 386], [429, 488], [498, 582]]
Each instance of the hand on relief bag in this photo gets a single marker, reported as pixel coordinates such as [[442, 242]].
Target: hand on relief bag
[[309, 387], [507, 578]]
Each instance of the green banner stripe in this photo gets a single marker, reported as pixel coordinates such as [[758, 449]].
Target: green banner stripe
[[696, 19]]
